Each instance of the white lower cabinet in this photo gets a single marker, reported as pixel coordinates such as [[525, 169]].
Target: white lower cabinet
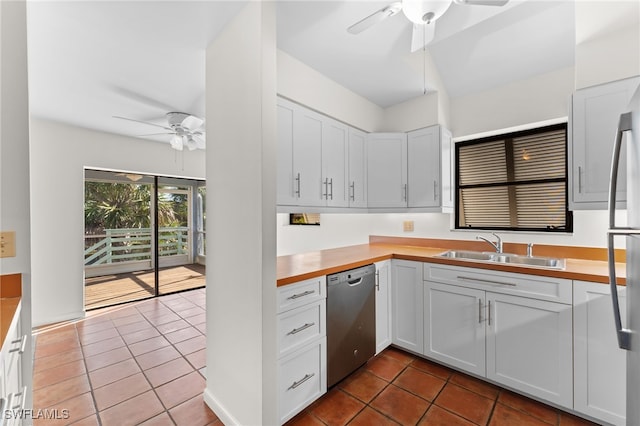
[[454, 326], [529, 346], [13, 391], [471, 323], [600, 366], [302, 378], [302, 345], [407, 305], [383, 305]]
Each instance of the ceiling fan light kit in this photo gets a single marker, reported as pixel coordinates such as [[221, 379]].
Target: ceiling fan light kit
[[422, 13]]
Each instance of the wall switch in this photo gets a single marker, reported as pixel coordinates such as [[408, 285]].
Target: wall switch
[[407, 226], [7, 244]]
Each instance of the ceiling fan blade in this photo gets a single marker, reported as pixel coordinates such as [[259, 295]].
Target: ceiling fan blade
[[144, 122], [482, 2], [155, 134], [192, 122], [422, 35], [199, 142], [375, 18]]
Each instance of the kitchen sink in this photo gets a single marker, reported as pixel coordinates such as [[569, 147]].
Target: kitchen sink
[[506, 258]]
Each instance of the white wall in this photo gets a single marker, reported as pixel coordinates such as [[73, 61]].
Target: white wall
[[540, 98], [413, 114], [338, 230], [241, 240], [607, 41], [59, 154], [14, 158], [303, 84]]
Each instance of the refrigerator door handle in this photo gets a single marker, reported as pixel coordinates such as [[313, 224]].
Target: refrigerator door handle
[[624, 335]]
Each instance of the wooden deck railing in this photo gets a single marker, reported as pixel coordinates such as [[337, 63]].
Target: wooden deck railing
[[131, 244]]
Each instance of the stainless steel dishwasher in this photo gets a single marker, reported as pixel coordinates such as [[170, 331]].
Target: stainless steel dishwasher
[[351, 321]]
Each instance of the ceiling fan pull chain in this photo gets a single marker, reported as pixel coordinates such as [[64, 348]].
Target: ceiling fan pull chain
[[424, 60]]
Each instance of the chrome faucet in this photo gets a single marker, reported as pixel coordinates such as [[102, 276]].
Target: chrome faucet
[[497, 245]]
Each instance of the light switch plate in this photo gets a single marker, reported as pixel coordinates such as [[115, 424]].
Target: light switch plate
[[7, 244], [407, 226]]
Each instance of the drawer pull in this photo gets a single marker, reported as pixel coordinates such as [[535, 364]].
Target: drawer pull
[[299, 329], [23, 344], [23, 399], [301, 381], [299, 295], [485, 281]]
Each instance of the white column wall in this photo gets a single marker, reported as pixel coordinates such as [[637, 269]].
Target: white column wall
[[14, 157], [59, 154], [241, 209]]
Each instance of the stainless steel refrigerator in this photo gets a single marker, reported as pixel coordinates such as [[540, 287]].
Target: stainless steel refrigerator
[[628, 337]]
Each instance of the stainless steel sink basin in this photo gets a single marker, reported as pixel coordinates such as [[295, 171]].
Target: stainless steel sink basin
[[506, 258]]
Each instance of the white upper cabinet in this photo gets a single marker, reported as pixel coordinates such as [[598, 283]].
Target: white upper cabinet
[[594, 120], [357, 184], [308, 129], [411, 170], [286, 191], [387, 170], [423, 167], [335, 151]]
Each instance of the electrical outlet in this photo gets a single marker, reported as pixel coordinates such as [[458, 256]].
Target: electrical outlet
[[7, 244], [407, 226]]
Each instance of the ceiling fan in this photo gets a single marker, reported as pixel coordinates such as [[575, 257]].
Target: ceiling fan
[[185, 129], [422, 13]]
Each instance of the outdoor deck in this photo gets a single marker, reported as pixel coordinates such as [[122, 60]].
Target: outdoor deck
[[111, 289]]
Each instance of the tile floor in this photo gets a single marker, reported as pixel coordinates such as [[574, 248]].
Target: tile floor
[[143, 363]]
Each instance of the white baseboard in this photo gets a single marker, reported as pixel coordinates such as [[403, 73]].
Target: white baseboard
[[225, 417], [72, 316]]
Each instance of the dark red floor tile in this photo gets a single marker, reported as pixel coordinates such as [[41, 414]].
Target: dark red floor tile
[[337, 408], [400, 405]]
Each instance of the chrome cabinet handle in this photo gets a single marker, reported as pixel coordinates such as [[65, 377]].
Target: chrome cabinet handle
[[23, 399], [324, 194], [299, 295], [624, 335], [405, 192], [485, 281], [331, 185], [297, 192], [301, 381], [489, 312], [301, 328], [353, 190], [378, 280], [579, 179], [479, 311], [435, 190], [23, 344]]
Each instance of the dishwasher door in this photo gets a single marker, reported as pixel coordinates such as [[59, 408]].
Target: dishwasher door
[[351, 321]]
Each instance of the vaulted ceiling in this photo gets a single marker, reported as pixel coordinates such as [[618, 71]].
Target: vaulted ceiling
[[90, 60]]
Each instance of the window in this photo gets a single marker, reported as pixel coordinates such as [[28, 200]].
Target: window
[[516, 181]]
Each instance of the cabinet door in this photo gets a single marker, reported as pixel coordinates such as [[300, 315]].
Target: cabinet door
[[595, 115], [383, 305], [287, 186], [387, 170], [307, 156], [529, 346], [447, 176], [454, 326], [423, 167], [407, 305], [335, 152], [599, 364], [357, 185]]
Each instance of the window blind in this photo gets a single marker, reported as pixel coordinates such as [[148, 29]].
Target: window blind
[[516, 181]]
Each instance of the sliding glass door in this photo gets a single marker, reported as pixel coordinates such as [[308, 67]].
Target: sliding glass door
[[127, 257]]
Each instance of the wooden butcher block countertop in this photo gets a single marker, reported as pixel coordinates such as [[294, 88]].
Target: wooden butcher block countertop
[[10, 293], [582, 263]]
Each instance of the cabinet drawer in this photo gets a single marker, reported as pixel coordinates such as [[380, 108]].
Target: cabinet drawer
[[299, 326], [303, 292], [302, 378], [533, 286]]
